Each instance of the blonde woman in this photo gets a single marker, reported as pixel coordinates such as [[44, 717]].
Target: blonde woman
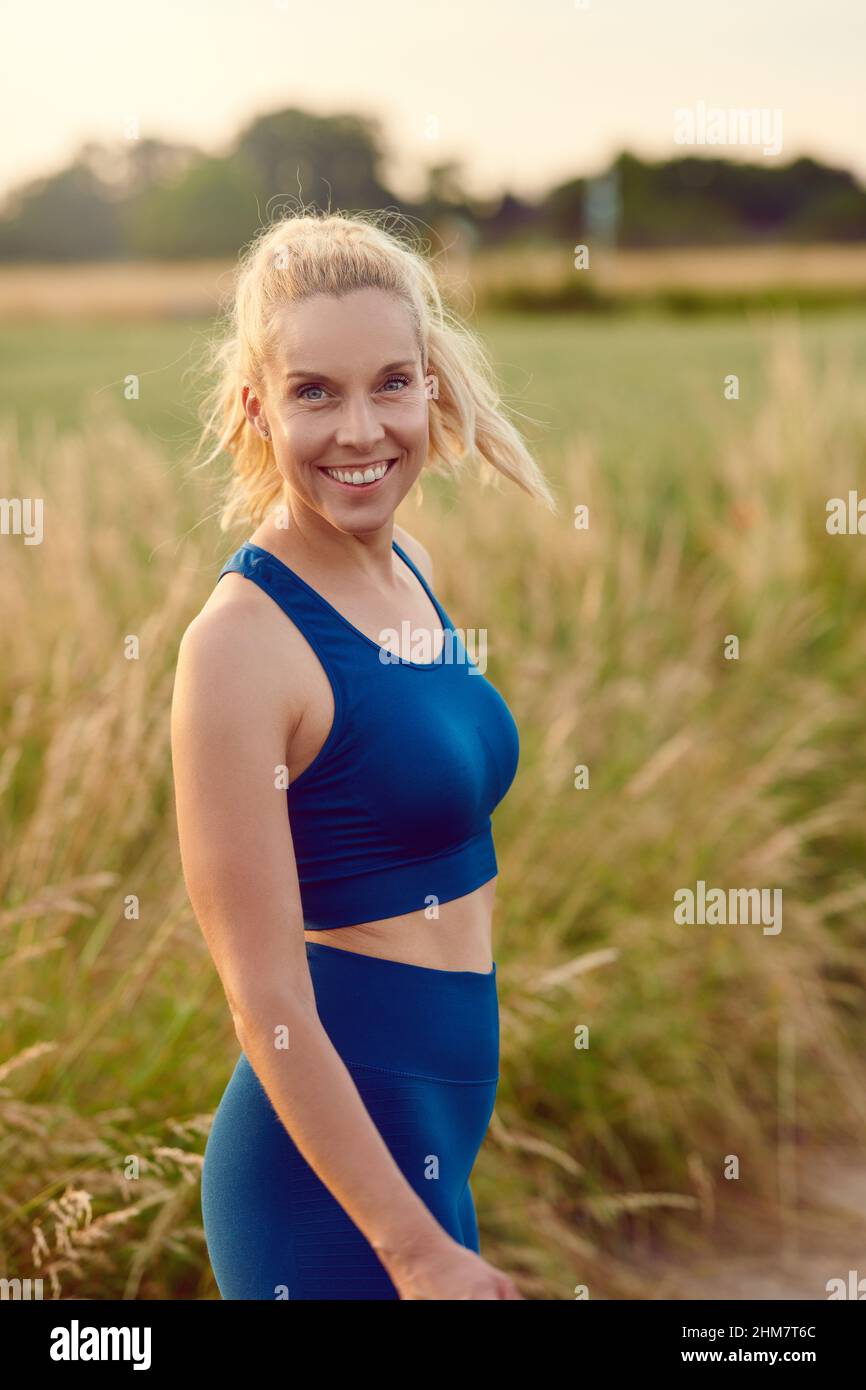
[[334, 785]]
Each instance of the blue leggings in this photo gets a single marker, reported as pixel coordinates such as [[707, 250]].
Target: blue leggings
[[422, 1047]]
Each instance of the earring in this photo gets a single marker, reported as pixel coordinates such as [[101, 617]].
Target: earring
[[266, 432]]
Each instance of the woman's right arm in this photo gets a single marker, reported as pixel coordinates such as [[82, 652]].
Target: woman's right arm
[[230, 729]]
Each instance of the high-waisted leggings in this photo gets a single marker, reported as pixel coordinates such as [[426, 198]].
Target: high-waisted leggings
[[422, 1047]]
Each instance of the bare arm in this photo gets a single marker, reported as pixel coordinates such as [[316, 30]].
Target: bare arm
[[229, 735]]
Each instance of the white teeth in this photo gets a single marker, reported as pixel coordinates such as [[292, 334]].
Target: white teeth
[[357, 477]]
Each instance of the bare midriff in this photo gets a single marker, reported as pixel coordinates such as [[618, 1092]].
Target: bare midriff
[[459, 939]]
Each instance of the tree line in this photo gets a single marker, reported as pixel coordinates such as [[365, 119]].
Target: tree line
[[152, 199]]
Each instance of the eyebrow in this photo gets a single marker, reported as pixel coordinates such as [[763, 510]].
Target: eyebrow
[[323, 376]]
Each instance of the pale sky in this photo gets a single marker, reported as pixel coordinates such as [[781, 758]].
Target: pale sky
[[523, 94]]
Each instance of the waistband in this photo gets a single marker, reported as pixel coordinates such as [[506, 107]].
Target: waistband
[[412, 1020]]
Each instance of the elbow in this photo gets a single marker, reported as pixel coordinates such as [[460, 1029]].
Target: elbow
[[240, 1032], [269, 1018]]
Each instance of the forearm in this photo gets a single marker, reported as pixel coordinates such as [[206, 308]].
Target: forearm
[[318, 1102]]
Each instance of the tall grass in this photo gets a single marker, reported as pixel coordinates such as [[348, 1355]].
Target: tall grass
[[608, 644]]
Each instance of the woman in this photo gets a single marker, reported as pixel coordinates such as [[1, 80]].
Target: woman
[[334, 791]]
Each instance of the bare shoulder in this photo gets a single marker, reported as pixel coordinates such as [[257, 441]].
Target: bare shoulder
[[416, 552], [236, 655]]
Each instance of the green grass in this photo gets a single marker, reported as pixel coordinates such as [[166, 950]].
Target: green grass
[[635, 384], [59, 372]]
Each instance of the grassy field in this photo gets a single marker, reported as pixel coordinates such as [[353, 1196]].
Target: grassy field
[[706, 519]]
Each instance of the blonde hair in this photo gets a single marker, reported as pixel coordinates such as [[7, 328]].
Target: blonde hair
[[334, 253]]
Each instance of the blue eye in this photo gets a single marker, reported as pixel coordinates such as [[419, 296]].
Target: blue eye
[[315, 386]]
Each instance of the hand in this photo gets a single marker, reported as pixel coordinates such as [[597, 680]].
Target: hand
[[448, 1271]]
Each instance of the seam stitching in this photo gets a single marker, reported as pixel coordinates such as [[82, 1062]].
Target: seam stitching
[[417, 1076]]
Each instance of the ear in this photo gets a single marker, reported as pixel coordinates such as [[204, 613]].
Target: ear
[[252, 406]]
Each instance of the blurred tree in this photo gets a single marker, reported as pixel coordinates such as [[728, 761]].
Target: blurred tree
[[564, 211], [444, 184], [69, 216], [325, 160], [672, 203], [445, 209], [210, 210], [156, 198], [704, 201], [512, 219], [130, 166]]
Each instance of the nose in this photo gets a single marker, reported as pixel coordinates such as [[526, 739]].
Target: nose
[[359, 426]]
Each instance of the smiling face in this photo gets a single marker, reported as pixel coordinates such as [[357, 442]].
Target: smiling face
[[346, 406]]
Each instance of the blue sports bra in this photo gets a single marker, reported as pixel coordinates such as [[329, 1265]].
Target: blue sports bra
[[393, 813]]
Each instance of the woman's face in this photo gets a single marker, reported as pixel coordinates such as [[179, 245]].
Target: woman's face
[[345, 390]]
